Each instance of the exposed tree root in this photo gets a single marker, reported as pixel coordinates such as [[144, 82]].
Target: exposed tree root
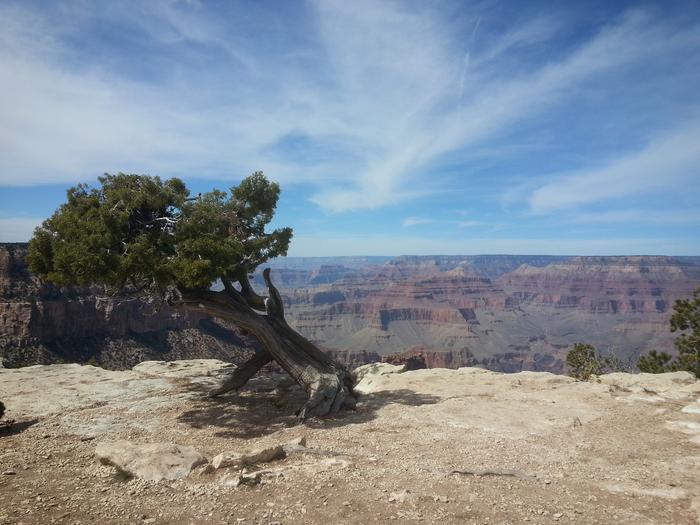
[[328, 384]]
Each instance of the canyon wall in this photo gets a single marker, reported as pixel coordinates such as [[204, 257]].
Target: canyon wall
[[44, 324], [510, 313], [505, 313]]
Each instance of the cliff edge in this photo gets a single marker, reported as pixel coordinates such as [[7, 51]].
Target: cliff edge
[[44, 324]]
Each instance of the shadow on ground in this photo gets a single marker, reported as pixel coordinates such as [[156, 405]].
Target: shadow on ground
[[15, 427], [267, 405]]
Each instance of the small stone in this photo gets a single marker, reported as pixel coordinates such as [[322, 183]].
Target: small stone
[[295, 444], [9, 473], [557, 515], [400, 497], [240, 459], [205, 469], [246, 479]]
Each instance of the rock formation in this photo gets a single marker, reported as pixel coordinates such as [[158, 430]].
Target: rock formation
[[427, 446], [44, 324], [510, 313], [505, 313]]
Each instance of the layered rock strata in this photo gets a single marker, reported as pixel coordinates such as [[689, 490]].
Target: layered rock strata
[[44, 324]]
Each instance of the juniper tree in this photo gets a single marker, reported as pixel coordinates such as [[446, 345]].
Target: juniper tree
[[584, 361], [685, 319], [142, 235]]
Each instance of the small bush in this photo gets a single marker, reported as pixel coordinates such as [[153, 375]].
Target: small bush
[[584, 361], [657, 363]]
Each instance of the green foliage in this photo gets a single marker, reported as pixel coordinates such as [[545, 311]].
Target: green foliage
[[141, 232], [584, 361], [686, 319], [656, 363]]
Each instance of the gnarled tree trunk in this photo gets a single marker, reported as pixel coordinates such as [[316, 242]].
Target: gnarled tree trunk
[[328, 384]]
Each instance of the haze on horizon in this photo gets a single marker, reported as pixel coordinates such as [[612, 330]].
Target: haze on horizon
[[393, 127]]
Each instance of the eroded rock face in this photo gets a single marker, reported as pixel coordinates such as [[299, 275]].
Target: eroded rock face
[[44, 324], [505, 313], [605, 285]]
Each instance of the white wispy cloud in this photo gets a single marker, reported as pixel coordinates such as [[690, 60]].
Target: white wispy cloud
[[360, 107], [639, 216], [416, 221], [670, 160], [468, 224]]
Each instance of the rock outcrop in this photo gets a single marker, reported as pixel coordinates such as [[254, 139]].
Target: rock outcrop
[[149, 461], [430, 445]]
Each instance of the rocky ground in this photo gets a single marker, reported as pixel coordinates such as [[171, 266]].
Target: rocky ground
[[430, 446]]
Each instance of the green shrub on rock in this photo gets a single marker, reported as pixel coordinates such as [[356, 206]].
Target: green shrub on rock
[[584, 361]]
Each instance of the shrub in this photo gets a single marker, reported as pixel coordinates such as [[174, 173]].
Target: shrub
[[657, 363], [584, 361]]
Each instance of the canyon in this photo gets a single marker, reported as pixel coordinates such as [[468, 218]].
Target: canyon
[[506, 313], [41, 324]]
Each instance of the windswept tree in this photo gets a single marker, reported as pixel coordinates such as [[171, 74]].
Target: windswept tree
[[141, 235]]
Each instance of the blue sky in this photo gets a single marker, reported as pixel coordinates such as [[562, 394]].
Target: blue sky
[[393, 127]]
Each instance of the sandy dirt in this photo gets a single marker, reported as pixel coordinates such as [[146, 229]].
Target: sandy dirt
[[529, 447]]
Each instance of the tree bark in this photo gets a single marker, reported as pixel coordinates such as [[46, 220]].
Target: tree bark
[[243, 373], [328, 384]]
